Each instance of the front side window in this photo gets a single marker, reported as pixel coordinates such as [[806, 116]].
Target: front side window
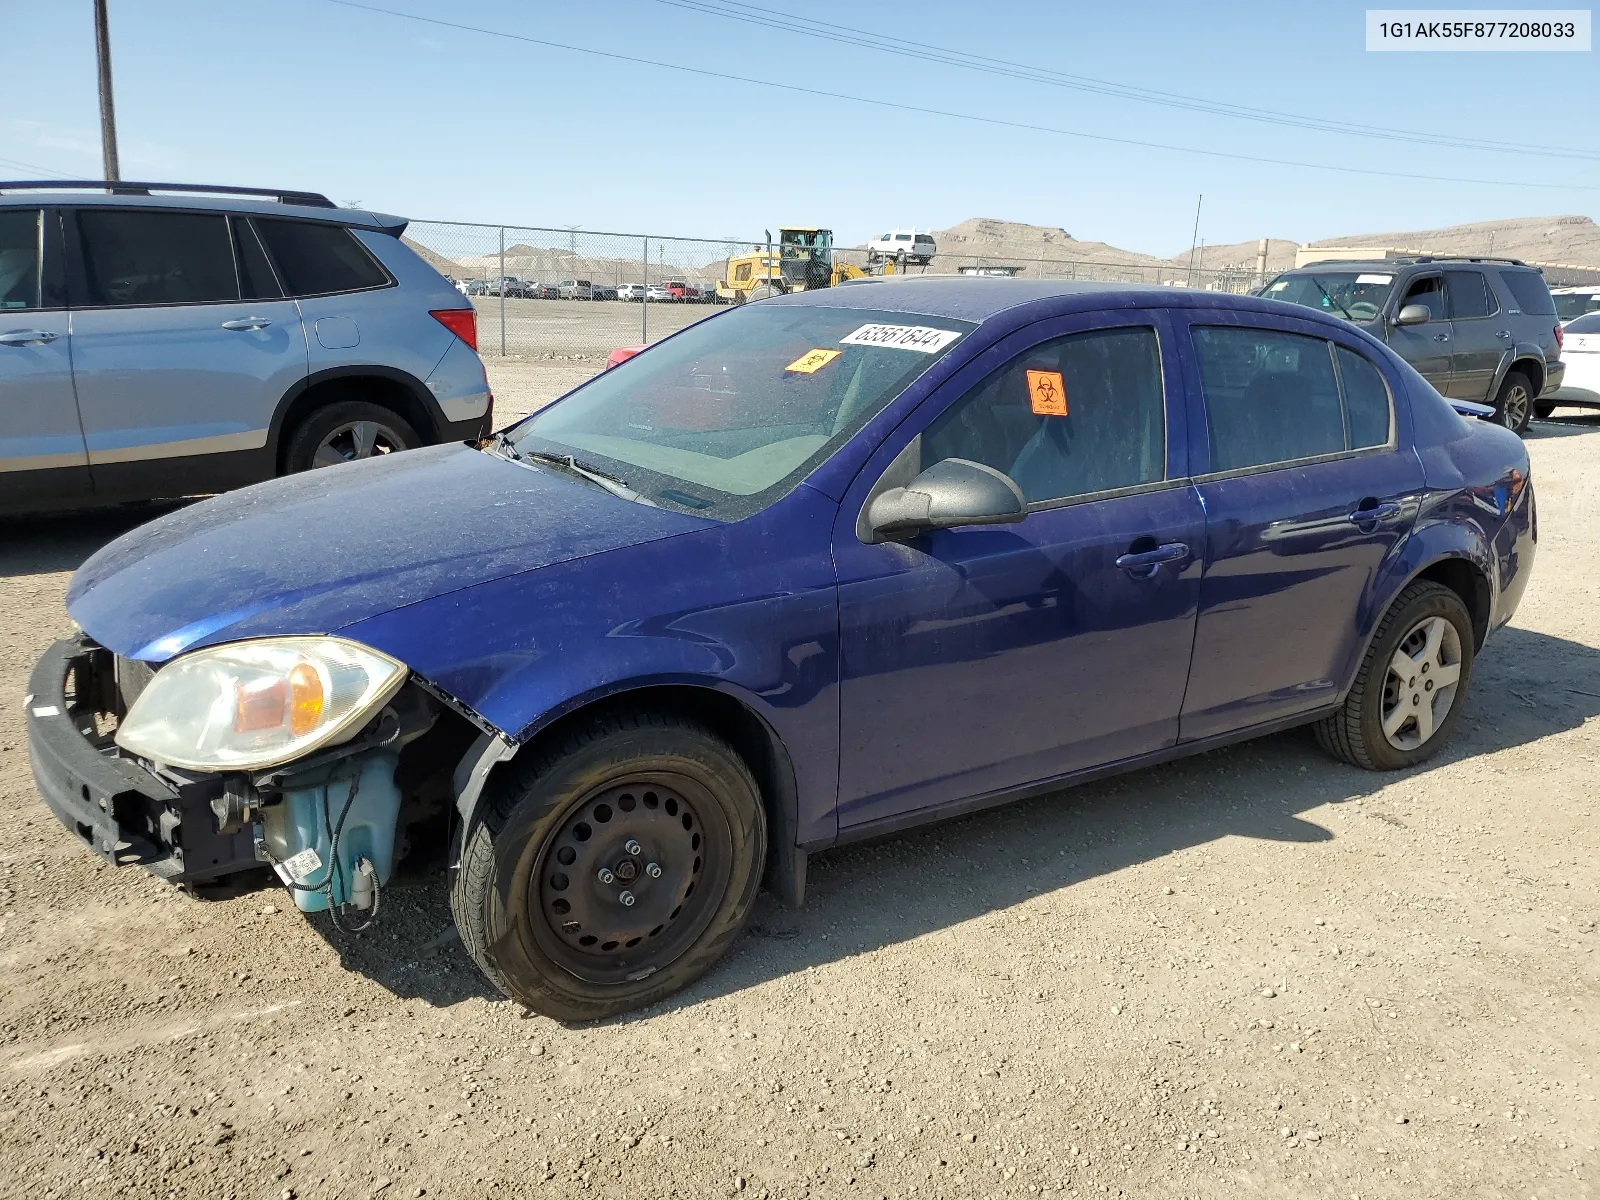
[[1531, 292], [20, 242], [1072, 416], [1273, 397], [726, 416], [152, 257], [316, 259], [1467, 295], [1430, 294]]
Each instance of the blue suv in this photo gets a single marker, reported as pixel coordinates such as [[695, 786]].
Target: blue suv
[[809, 571], [161, 340]]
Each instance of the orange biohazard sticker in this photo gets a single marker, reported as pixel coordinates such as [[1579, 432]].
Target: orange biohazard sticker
[[1047, 393], [813, 361]]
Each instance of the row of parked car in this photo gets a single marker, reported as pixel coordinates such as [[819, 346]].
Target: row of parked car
[[668, 292]]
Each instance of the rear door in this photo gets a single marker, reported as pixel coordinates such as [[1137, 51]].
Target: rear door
[[1478, 338], [182, 348], [1309, 485], [42, 456], [1426, 347]]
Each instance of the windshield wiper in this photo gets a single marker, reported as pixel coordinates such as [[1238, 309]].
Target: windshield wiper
[[502, 443], [1343, 311], [617, 487]]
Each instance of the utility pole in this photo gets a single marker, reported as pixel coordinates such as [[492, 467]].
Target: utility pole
[[108, 113], [1194, 240]]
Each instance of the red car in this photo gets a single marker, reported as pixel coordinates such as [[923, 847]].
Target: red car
[[681, 291], [621, 355]]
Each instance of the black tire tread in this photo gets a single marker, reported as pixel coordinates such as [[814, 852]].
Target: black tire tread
[[302, 443], [1339, 733], [472, 889]]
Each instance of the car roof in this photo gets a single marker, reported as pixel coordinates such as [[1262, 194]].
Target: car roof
[[253, 206], [980, 297]]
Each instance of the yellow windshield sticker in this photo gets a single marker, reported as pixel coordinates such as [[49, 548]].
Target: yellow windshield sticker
[[812, 361], [1047, 393]]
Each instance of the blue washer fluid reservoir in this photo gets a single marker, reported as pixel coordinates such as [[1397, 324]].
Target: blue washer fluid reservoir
[[296, 829]]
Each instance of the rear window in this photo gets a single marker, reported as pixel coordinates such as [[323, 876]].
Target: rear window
[[314, 259], [134, 257], [1529, 290], [1575, 304]]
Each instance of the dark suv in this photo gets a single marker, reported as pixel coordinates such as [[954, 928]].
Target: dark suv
[[1481, 329]]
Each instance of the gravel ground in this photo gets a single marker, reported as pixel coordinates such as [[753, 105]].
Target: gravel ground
[[1255, 972]]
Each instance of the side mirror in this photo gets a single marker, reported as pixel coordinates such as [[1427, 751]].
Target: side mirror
[[954, 491], [1413, 314]]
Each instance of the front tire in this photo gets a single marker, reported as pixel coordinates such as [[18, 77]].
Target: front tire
[[1411, 686], [611, 869], [1513, 404]]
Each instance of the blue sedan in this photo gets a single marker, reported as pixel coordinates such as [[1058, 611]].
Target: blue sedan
[[809, 571]]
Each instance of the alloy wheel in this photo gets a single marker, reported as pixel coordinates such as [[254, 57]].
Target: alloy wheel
[[1515, 413], [1420, 686], [354, 440]]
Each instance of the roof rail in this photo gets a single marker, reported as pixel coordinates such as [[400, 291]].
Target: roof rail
[[129, 188], [1477, 258]]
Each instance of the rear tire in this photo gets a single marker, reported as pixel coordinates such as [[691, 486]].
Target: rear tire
[[763, 291], [611, 869], [1411, 685], [345, 432], [1513, 404]]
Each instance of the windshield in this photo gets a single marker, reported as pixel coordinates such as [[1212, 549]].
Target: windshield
[[727, 416], [1575, 304], [1353, 295]]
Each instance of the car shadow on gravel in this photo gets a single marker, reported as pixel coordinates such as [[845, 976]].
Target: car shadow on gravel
[[1525, 687], [44, 545], [1570, 423]]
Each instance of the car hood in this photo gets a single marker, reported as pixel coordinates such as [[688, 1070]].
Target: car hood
[[313, 553]]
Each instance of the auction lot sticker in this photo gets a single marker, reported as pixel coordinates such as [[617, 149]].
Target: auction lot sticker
[[1478, 29], [901, 337]]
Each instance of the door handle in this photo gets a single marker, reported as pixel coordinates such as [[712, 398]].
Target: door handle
[[27, 337], [248, 323], [1374, 514], [1145, 563], [1502, 333], [1441, 337]]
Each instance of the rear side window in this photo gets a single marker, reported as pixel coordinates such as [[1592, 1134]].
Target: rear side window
[[149, 257], [1467, 295], [1531, 293], [1071, 416], [1275, 397], [314, 259], [19, 258]]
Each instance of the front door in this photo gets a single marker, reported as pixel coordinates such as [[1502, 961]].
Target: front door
[[42, 459], [980, 660], [1427, 346], [1308, 491], [169, 361]]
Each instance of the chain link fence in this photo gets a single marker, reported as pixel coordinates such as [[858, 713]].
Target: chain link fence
[[574, 295]]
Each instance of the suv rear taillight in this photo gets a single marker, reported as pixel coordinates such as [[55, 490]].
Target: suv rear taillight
[[463, 322], [1561, 338]]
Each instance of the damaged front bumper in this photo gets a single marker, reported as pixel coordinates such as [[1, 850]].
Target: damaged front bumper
[[116, 806]]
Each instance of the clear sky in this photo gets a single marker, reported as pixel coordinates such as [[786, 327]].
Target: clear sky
[[447, 123]]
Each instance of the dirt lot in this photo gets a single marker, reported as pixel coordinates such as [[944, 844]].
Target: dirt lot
[[1252, 973], [578, 330]]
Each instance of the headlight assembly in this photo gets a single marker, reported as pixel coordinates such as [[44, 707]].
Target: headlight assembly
[[247, 706]]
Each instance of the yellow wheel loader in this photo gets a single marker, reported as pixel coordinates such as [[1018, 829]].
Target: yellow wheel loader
[[802, 260]]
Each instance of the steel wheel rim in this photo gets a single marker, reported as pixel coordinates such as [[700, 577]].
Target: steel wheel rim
[[356, 440], [603, 850], [1516, 406], [1420, 683]]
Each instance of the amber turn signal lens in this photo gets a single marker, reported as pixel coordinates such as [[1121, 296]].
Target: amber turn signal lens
[[305, 699]]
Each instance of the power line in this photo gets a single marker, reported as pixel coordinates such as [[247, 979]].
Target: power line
[[11, 162], [753, 14], [957, 116]]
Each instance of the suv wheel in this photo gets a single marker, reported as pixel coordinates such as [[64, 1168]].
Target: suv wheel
[[1513, 406], [612, 869], [345, 432]]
